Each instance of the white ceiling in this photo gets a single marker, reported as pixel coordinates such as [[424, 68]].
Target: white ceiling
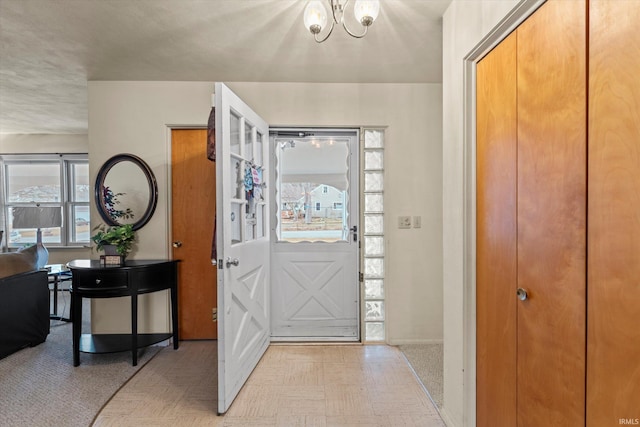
[[49, 49]]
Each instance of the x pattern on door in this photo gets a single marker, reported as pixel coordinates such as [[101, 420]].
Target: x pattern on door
[[249, 312], [315, 280]]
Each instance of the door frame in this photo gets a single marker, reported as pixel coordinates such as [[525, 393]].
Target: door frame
[[359, 222], [505, 27]]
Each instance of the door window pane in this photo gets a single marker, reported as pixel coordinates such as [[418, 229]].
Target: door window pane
[[313, 189], [236, 218], [260, 218], [235, 134], [248, 142], [259, 147], [237, 179]]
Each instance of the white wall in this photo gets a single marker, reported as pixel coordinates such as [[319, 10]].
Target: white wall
[[465, 24], [133, 117], [49, 144]]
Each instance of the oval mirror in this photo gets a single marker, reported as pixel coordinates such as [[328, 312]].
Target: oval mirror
[[126, 191]]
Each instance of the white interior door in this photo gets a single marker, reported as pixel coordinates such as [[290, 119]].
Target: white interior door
[[315, 241], [242, 242]]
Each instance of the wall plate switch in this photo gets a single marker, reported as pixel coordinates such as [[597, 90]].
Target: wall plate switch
[[417, 221], [404, 222]]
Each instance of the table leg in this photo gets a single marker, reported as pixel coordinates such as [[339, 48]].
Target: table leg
[[55, 295], [76, 319], [174, 315], [134, 328]]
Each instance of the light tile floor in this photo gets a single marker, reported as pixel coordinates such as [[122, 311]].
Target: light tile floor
[[293, 385]]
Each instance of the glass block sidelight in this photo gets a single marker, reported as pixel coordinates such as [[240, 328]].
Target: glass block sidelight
[[373, 224], [374, 331], [373, 246], [373, 267], [373, 240], [374, 310], [373, 181], [373, 138], [374, 159], [373, 203], [374, 289]]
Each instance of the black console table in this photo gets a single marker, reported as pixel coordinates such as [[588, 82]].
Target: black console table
[[135, 277]]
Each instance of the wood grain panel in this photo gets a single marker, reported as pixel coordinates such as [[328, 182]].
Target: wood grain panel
[[496, 158], [193, 184], [552, 215], [613, 349]]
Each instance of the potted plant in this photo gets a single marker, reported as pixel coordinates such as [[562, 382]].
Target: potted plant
[[120, 236]]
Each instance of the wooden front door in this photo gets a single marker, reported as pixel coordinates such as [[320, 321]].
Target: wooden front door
[[193, 207]]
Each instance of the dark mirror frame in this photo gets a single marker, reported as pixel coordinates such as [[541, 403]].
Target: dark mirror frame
[[151, 181]]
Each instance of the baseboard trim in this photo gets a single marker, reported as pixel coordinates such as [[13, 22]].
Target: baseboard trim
[[418, 341], [446, 418]]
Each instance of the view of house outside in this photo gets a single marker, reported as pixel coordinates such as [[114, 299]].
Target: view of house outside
[[312, 212]]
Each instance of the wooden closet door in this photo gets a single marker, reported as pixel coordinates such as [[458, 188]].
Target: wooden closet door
[[552, 215], [613, 349], [193, 207], [496, 237]]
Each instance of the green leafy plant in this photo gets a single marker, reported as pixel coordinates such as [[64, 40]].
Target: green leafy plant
[[121, 236]]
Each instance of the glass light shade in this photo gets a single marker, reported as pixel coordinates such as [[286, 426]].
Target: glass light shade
[[366, 10], [315, 14]]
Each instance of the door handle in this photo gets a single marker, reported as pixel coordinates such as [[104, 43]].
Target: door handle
[[522, 294], [177, 244], [354, 230], [231, 262]]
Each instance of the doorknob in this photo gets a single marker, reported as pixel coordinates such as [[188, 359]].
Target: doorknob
[[177, 244], [231, 262], [522, 294], [354, 230]]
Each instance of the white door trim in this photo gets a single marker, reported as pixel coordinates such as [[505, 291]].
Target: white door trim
[[287, 258]]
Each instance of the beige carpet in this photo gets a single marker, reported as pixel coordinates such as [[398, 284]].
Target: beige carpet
[[40, 387], [426, 361]]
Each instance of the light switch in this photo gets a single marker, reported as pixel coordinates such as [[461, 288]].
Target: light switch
[[417, 221], [404, 222]]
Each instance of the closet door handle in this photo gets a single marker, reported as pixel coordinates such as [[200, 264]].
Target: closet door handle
[[522, 294]]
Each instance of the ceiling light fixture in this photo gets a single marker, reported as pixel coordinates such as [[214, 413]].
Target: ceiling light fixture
[[315, 16]]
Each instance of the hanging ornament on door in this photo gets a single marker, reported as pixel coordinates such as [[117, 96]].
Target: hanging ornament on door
[[248, 182]]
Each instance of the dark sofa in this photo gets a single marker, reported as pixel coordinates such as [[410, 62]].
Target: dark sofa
[[24, 302]]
